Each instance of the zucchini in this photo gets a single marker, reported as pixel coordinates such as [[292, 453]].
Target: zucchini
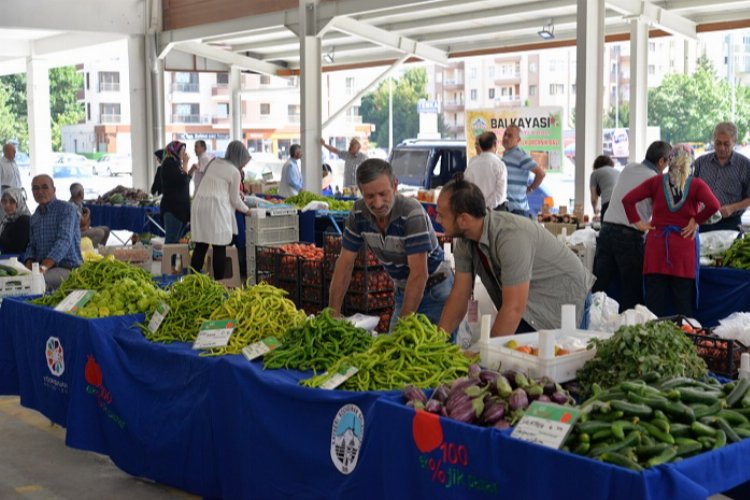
[[592, 426], [662, 458], [738, 392], [692, 395], [615, 458], [602, 434], [707, 411], [663, 425], [609, 417], [689, 448], [647, 451], [631, 440], [742, 432], [721, 440], [620, 426], [9, 271], [727, 429], [679, 410], [700, 429], [659, 434], [679, 430], [635, 409], [733, 417]]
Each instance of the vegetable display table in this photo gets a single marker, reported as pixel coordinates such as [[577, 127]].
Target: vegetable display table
[[136, 219], [225, 427]]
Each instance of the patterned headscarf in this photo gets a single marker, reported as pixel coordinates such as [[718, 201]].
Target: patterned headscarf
[[21, 208], [681, 149], [173, 150], [237, 154]]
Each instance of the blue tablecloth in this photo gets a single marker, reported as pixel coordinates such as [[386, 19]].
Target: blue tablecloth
[[224, 427], [722, 291], [124, 217]]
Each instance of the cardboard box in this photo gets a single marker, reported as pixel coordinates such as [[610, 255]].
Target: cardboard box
[[556, 228]]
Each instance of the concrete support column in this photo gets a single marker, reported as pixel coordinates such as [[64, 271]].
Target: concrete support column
[[310, 92], [589, 88], [155, 98], [39, 117], [235, 108], [142, 157], [638, 89]]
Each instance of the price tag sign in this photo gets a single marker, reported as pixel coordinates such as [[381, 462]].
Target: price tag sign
[[472, 312], [159, 314], [258, 349], [214, 333], [546, 424], [74, 301], [345, 373]]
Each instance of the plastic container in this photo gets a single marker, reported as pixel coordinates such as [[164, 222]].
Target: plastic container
[[744, 371], [21, 284], [495, 355]]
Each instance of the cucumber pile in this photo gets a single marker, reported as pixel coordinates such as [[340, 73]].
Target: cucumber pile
[[6, 271], [643, 423]]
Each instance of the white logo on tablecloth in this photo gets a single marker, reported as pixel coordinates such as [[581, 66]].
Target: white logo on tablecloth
[[346, 437], [55, 356]]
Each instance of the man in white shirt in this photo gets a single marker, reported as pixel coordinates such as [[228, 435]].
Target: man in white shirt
[[291, 173], [9, 173], [198, 169], [489, 173]]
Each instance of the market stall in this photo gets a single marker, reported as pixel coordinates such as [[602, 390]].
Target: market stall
[[137, 219]]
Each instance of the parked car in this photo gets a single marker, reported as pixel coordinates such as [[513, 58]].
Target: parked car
[[427, 164], [65, 174], [113, 164], [73, 159]]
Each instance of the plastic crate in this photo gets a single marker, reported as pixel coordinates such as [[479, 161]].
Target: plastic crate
[[313, 272], [332, 250], [722, 356], [561, 369], [370, 280], [369, 302], [312, 307], [13, 286], [384, 325], [272, 229]]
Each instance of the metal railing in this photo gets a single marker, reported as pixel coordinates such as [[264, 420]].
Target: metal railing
[[191, 119], [184, 87], [109, 86], [109, 118]]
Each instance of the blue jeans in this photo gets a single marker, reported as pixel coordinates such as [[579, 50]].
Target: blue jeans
[[174, 228], [586, 310], [432, 303]]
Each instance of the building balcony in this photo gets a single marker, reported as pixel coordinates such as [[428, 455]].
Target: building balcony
[[508, 100], [185, 87], [220, 90], [109, 86], [192, 119], [453, 105], [508, 78], [109, 118], [220, 120], [457, 83]]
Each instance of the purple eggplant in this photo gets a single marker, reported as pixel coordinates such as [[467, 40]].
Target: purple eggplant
[[510, 375], [457, 398], [433, 406], [534, 391], [443, 411], [441, 393], [544, 399], [488, 376], [522, 381], [549, 386], [417, 405], [413, 393], [465, 412], [462, 383], [504, 387], [559, 398], [474, 371], [493, 413], [502, 425], [519, 400]]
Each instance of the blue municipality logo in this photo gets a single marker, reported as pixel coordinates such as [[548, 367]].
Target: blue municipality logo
[[346, 437]]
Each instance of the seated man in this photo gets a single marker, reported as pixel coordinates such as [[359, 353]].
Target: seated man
[[98, 234], [54, 236]]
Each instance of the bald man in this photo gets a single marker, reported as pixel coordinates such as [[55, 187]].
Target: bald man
[[10, 176], [54, 236]]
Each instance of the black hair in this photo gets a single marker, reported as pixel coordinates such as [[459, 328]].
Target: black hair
[[487, 140], [465, 197], [201, 142], [293, 150], [658, 150], [603, 161]]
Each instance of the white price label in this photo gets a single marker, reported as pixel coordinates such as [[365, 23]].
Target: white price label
[[546, 424], [159, 314], [214, 333], [344, 374], [258, 349], [74, 301]]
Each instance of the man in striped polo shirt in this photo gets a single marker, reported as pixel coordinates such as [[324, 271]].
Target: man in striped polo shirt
[[519, 164], [398, 230], [727, 173]]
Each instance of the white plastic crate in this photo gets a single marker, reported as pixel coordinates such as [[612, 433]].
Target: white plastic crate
[[271, 230], [561, 369], [13, 286]]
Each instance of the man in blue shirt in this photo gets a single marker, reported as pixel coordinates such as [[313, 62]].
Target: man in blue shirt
[[399, 232], [54, 236], [291, 174], [519, 164]]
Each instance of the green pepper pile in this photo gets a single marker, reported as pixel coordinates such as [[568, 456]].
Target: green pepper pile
[[190, 300], [416, 353], [318, 344], [261, 311], [738, 255], [644, 423], [639, 349]]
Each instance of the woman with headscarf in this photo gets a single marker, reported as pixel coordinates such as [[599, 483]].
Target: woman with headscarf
[[681, 203], [14, 226], [175, 186], [156, 185], [212, 215]]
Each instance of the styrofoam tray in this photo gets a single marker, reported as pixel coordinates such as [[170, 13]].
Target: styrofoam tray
[[560, 368]]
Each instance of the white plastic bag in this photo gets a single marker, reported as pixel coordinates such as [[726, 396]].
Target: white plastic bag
[[586, 236], [735, 326], [717, 242], [603, 313]]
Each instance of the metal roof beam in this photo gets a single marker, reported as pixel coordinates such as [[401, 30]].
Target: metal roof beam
[[657, 16], [230, 58], [122, 16]]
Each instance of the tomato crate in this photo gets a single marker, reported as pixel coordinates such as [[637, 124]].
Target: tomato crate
[[722, 356], [369, 302], [313, 272], [280, 265], [312, 307], [385, 321], [291, 288], [332, 250], [370, 280], [314, 294]]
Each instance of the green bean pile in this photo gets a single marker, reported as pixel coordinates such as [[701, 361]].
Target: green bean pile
[[190, 300], [261, 310], [97, 276], [305, 197], [318, 343], [415, 353]]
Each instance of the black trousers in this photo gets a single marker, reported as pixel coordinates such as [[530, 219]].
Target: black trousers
[[661, 286], [619, 252], [605, 206], [219, 259], [731, 223]]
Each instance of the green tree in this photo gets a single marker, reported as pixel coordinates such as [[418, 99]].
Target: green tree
[[8, 124], [687, 107], [407, 90], [621, 121]]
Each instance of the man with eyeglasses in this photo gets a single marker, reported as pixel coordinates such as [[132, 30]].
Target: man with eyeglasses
[[54, 236], [727, 173]]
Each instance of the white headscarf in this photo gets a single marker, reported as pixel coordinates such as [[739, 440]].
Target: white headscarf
[[21, 208]]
